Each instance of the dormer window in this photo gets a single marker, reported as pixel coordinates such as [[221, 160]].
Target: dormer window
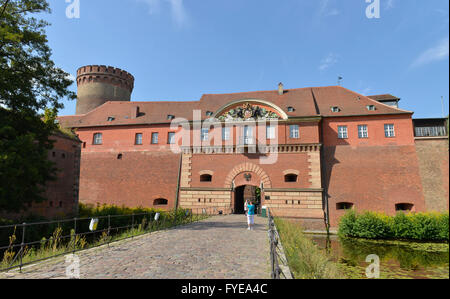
[[335, 109], [371, 108], [111, 118], [170, 117], [291, 109], [209, 113]]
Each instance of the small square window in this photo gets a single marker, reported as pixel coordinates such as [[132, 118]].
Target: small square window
[[98, 138], [342, 132], [371, 108], [291, 109], [209, 113], [170, 117], [389, 131], [294, 131], [363, 132]]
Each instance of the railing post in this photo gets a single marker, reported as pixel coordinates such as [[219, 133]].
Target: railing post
[[132, 225], [109, 228], [74, 234], [22, 246]]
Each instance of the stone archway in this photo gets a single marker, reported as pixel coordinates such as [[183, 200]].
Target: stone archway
[[247, 167]]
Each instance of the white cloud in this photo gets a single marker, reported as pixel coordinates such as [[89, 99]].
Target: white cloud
[[326, 11], [328, 61], [178, 10], [153, 5], [437, 53], [389, 4]]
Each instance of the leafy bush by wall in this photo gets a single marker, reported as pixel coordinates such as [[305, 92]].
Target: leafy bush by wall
[[412, 226]]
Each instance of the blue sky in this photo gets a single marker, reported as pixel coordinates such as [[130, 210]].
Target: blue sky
[[180, 49]]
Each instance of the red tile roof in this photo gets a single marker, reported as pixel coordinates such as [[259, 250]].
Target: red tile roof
[[384, 97], [307, 102]]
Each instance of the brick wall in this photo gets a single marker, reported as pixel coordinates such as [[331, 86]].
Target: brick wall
[[373, 173], [137, 179], [372, 178], [61, 194], [433, 164]]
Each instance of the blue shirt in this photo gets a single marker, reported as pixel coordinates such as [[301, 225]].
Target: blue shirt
[[251, 209]]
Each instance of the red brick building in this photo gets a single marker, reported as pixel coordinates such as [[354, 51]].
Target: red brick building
[[62, 193], [311, 152]]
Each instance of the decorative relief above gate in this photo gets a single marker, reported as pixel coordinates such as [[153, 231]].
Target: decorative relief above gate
[[248, 111]]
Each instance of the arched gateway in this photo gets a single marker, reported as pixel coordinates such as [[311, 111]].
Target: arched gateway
[[244, 180]]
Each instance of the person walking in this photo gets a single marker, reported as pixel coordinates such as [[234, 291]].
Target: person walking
[[251, 215], [245, 207]]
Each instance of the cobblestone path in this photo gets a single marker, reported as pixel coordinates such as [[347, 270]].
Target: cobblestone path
[[220, 247]]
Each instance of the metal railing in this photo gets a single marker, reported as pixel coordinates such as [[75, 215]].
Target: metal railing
[[61, 237], [278, 261]]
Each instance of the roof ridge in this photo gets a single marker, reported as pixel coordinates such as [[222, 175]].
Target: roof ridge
[[372, 100], [272, 90]]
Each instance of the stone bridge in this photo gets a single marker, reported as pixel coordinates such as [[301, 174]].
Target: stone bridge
[[220, 247]]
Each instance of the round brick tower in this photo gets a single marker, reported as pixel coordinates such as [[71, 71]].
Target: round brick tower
[[98, 84]]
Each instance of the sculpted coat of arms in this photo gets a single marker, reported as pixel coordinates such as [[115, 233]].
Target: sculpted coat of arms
[[248, 111]]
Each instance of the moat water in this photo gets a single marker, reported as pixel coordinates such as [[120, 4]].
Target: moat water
[[398, 260]]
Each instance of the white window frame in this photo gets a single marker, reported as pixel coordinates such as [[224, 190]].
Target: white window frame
[[294, 131], [248, 135], [363, 131], [342, 132], [171, 140], [226, 133], [204, 134], [98, 139], [270, 132], [389, 130], [155, 138], [138, 139]]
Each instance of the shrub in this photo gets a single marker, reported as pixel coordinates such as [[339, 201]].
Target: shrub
[[413, 226], [347, 224], [371, 225]]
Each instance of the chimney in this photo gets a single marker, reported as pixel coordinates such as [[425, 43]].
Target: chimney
[[280, 89]]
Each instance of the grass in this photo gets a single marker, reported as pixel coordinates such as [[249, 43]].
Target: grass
[[57, 245], [306, 260]]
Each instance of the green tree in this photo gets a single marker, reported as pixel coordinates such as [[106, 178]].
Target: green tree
[[29, 83]]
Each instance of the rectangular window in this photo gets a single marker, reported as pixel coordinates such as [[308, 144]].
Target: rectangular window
[[389, 131], [430, 131], [171, 138], [342, 132], [204, 134], [154, 138], [294, 131], [138, 139], [248, 135], [225, 133], [270, 132], [362, 131], [98, 138]]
